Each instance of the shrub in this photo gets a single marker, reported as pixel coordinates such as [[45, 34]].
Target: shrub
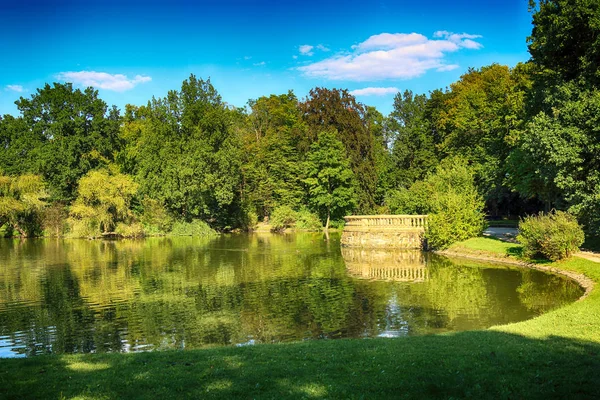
[[337, 224], [460, 218], [83, 228], [133, 230], [249, 220], [155, 218], [555, 235], [450, 198], [283, 217], [308, 221], [195, 228], [55, 220]]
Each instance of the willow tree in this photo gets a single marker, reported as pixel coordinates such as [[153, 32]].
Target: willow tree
[[103, 200], [21, 200]]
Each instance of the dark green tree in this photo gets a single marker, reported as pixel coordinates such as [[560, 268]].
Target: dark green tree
[[564, 43], [272, 170], [186, 153], [330, 180], [337, 110], [413, 152], [73, 132]]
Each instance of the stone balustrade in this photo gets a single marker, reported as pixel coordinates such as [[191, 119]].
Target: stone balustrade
[[385, 231]]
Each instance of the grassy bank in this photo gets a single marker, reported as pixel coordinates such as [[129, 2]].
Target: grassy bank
[[556, 355]]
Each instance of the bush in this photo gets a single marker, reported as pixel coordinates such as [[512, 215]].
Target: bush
[[83, 228], [195, 228], [450, 198], [283, 217], [308, 221], [337, 224], [155, 218], [133, 230], [459, 219], [555, 235], [55, 220], [249, 220]]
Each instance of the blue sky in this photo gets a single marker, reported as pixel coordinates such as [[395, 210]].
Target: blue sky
[[133, 51]]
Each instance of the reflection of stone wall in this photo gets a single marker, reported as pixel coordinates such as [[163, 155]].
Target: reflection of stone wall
[[396, 265]]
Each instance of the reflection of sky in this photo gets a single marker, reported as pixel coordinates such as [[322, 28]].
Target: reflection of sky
[[395, 324], [8, 349]]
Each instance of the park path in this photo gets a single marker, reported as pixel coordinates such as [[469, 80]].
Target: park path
[[504, 234]]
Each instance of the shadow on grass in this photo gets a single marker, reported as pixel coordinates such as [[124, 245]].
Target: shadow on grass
[[480, 364], [515, 251]]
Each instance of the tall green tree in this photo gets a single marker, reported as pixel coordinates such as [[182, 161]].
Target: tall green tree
[[556, 154], [413, 151], [73, 131], [484, 113], [271, 169], [18, 146], [337, 110], [564, 43], [330, 180], [186, 153]]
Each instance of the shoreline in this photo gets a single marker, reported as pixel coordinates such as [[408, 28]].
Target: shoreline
[[586, 283]]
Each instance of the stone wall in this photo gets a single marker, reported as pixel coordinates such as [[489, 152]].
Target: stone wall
[[396, 239]]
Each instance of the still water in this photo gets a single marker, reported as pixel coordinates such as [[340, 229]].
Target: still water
[[79, 296]]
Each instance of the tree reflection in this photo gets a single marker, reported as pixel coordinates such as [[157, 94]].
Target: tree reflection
[[71, 296]]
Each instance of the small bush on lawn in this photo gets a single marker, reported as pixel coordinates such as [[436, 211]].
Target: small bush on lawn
[[555, 235], [283, 217]]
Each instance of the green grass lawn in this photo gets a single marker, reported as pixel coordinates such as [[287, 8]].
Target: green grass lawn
[[482, 245], [556, 355]]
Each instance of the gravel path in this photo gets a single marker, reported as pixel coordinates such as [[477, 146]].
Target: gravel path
[[505, 234]]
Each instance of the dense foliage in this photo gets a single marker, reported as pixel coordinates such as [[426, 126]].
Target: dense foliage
[[555, 235], [527, 137], [451, 199]]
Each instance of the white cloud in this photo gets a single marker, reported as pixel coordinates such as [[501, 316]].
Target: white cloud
[[259, 64], [103, 80], [388, 41], [461, 39], [294, 57], [247, 57], [449, 67], [375, 91], [392, 56], [15, 88], [306, 50]]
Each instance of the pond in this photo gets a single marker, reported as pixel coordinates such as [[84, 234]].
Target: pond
[[79, 296]]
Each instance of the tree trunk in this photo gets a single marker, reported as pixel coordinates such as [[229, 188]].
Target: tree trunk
[[327, 223], [22, 233]]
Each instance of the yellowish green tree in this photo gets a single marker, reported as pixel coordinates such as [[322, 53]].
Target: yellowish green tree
[[103, 201], [21, 199]]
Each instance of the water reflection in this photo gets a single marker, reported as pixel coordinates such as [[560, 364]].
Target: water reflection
[[71, 296], [384, 264]]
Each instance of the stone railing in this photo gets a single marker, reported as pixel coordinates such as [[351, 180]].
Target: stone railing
[[387, 221], [385, 231]]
